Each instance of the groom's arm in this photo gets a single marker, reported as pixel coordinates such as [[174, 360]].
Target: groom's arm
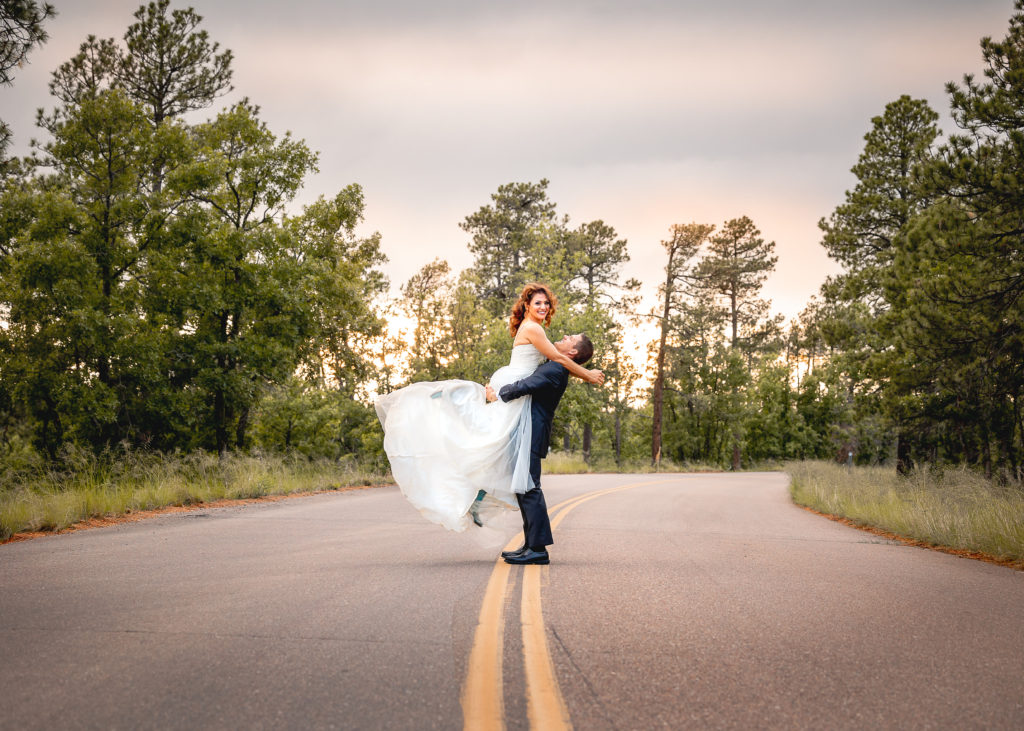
[[547, 376]]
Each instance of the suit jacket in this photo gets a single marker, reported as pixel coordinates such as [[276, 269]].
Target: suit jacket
[[546, 385]]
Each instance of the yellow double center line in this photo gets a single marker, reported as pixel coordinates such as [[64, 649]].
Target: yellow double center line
[[482, 691]]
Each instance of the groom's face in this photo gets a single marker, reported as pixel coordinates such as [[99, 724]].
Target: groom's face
[[568, 345]]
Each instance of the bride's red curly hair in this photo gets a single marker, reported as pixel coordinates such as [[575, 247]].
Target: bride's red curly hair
[[519, 308]]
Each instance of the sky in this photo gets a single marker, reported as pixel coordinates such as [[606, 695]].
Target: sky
[[642, 114]]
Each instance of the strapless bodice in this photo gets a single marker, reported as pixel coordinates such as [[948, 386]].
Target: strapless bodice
[[526, 357]]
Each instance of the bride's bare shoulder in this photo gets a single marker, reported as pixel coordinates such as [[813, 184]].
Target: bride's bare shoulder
[[529, 332]]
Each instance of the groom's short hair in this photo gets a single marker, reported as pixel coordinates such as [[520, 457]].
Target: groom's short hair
[[584, 350]]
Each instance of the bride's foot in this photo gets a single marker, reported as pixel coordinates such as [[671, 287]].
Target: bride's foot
[[475, 507]]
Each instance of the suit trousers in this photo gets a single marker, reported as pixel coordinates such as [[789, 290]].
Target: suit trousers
[[536, 523]]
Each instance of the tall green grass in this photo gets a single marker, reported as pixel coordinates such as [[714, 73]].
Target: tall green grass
[[572, 463], [954, 507], [38, 497]]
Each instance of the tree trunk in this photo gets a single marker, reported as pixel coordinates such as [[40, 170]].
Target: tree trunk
[[658, 392], [103, 363], [51, 438], [220, 421], [1018, 427], [587, 436], [243, 425], [986, 449], [618, 439], [735, 318], [656, 400], [904, 462], [220, 406]]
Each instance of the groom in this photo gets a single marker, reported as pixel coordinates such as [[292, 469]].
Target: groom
[[546, 385]]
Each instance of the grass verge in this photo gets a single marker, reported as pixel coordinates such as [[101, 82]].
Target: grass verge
[[53, 499], [572, 463], [952, 508]]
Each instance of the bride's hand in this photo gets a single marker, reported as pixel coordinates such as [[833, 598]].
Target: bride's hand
[[596, 377]]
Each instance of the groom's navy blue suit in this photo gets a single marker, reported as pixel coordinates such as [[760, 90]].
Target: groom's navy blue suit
[[546, 385]]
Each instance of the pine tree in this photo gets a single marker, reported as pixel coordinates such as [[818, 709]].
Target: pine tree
[[736, 265], [21, 30], [504, 236], [426, 299], [961, 341], [861, 233], [684, 243], [864, 305]]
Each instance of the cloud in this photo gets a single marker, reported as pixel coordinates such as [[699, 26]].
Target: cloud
[[643, 114], [530, 86]]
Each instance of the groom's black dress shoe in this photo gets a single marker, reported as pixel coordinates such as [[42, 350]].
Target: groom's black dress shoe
[[529, 556], [518, 552]]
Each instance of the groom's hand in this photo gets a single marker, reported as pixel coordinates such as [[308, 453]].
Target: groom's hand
[[491, 395]]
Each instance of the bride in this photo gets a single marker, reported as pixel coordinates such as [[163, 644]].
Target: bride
[[449, 449]]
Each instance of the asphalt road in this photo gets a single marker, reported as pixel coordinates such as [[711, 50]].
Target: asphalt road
[[683, 601]]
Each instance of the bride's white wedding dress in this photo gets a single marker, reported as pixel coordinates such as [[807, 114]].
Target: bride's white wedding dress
[[446, 443]]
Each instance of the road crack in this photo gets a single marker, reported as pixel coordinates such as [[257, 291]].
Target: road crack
[[586, 680]]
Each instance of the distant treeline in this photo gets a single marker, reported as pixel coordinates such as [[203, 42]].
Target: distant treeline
[[156, 292]]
